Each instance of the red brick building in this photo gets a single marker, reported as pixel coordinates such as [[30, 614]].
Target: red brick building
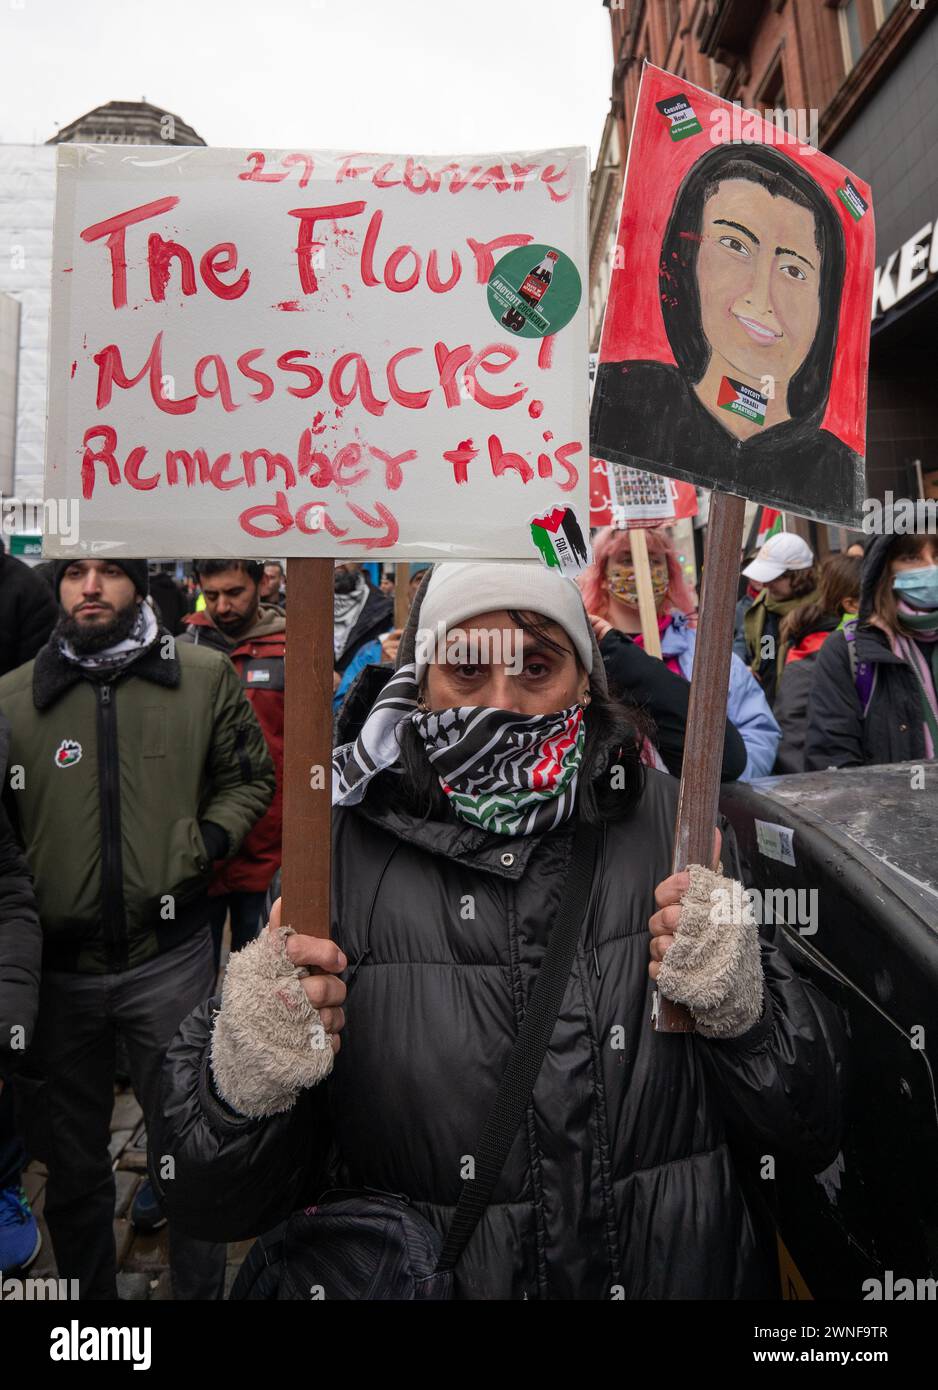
[[859, 76]]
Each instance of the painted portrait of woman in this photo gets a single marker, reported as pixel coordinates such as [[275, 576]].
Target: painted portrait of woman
[[750, 274]]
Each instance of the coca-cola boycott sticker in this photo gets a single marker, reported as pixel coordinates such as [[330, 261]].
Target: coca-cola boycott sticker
[[534, 291]]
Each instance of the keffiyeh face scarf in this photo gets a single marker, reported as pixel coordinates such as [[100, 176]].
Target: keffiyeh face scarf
[[504, 772]]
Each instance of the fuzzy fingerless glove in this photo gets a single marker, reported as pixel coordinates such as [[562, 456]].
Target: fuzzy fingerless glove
[[268, 1043], [714, 967]]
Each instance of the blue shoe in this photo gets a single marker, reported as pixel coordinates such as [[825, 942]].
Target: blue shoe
[[146, 1214], [20, 1237]]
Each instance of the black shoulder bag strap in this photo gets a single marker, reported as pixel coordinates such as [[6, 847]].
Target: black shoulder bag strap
[[530, 1047]]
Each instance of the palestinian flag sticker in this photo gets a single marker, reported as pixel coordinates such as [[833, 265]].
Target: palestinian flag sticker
[[682, 116], [559, 539], [852, 200], [68, 753], [743, 400]]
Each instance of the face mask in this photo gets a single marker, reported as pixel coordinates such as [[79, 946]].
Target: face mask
[[506, 772], [918, 586], [622, 583]]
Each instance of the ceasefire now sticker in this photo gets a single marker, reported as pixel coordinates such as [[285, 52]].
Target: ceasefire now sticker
[[775, 841], [682, 116]]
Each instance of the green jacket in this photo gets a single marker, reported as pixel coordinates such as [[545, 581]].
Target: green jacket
[[121, 792]]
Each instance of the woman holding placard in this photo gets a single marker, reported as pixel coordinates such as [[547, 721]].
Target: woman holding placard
[[499, 855]]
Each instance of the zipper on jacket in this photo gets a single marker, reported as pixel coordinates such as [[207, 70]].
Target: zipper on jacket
[[113, 909]]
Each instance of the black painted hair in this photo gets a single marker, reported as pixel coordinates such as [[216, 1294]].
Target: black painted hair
[[677, 270], [254, 569]]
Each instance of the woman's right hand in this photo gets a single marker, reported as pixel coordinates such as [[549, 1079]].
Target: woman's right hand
[[276, 1033], [323, 959]]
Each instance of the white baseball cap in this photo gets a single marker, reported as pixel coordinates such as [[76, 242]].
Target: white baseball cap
[[784, 551]]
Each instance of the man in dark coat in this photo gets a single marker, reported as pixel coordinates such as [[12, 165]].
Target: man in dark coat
[[20, 961], [27, 612], [360, 613], [620, 1183]]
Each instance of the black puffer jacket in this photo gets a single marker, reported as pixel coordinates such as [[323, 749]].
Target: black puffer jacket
[[621, 1176], [892, 731], [20, 939], [28, 612]]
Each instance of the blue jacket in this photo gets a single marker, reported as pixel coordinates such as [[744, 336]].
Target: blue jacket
[[747, 706], [368, 655]]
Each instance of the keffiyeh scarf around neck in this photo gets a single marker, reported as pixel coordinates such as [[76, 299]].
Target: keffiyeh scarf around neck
[[504, 772], [141, 636], [346, 610], [921, 625]]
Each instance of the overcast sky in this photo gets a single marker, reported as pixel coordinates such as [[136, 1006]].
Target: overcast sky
[[423, 76]]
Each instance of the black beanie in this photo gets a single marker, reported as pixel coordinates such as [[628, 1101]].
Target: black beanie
[[136, 570]]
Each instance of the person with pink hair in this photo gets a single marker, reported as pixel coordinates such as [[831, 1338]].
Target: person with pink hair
[[610, 594]]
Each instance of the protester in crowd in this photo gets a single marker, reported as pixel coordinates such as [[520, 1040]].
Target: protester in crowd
[[27, 612], [442, 801], [170, 599], [611, 597], [144, 763], [20, 957], [802, 633], [361, 615], [387, 584], [873, 697], [251, 634], [748, 593], [273, 589], [785, 568]]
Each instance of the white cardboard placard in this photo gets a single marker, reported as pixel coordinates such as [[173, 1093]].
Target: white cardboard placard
[[337, 413]]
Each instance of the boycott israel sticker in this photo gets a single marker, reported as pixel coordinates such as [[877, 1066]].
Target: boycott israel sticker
[[852, 200], [559, 539], [741, 399], [534, 291], [682, 116]]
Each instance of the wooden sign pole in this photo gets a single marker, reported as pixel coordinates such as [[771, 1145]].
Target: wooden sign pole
[[307, 761], [638, 543], [401, 594], [699, 795]]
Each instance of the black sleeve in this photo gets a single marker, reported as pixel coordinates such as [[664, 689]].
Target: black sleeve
[[20, 952], [835, 718], [783, 1082], [36, 617], [219, 1175], [645, 681]]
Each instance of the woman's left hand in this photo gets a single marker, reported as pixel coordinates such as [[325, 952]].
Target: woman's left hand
[[600, 626]]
